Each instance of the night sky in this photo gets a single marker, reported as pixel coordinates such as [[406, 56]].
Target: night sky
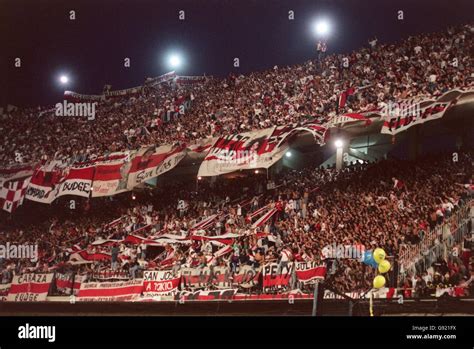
[[92, 48]]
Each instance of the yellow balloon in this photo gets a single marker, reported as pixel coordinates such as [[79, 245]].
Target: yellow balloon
[[379, 281], [384, 266], [379, 255]]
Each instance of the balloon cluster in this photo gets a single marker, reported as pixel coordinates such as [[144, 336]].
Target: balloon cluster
[[376, 259]]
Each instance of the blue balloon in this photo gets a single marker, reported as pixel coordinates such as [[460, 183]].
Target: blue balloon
[[369, 259]]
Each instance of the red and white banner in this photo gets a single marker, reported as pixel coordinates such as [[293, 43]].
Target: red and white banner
[[4, 289], [78, 280], [201, 146], [155, 241], [186, 80], [215, 295], [77, 181], [382, 293], [84, 256], [74, 96], [221, 278], [111, 175], [15, 172], [205, 223], [417, 111], [110, 291], [259, 211], [12, 194], [309, 272], [151, 162], [265, 218], [168, 259], [50, 182], [349, 118], [247, 277], [256, 149], [110, 275], [69, 282], [44, 184], [226, 239], [64, 282], [318, 130], [129, 92], [194, 278], [160, 283], [30, 287], [275, 280], [427, 111], [160, 79], [221, 252]]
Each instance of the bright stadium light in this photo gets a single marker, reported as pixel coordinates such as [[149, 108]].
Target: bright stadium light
[[288, 154], [322, 27], [175, 61], [338, 143], [64, 79]]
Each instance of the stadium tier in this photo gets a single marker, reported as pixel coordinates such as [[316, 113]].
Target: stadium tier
[[102, 205]]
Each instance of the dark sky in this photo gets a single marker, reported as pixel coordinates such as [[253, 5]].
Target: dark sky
[[91, 49]]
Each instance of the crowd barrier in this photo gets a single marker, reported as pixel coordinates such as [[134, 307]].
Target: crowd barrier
[[437, 242]]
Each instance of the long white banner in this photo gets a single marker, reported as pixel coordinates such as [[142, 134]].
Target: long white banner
[[255, 149], [401, 116]]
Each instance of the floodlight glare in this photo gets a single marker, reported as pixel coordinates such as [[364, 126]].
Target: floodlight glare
[[288, 154], [63, 79], [322, 27], [175, 60], [338, 143]]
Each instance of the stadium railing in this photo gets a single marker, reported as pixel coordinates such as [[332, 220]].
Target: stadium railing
[[437, 242]]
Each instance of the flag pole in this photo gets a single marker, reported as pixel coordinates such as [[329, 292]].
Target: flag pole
[[315, 299]]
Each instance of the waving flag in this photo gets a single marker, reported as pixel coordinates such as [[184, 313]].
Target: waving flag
[[12, 194]]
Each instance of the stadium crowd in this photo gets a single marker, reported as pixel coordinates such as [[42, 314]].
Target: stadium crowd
[[389, 204], [422, 65]]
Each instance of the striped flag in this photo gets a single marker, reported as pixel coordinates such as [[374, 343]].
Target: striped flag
[[206, 222], [262, 220]]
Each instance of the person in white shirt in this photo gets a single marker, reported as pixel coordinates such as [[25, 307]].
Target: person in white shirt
[[285, 257], [373, 42]]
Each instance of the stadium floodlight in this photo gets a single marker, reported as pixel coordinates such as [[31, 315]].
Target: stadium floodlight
[[288, 154], [339, 143], [199, 178], [256, 171], [175, 60], [64, 79], [322, 27]]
